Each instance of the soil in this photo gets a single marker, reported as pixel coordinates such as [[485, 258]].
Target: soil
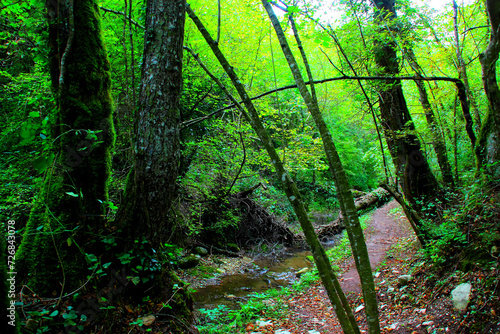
[[312, 307], [418, 307]]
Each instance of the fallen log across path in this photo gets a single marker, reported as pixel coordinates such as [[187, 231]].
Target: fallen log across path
[[374, 198]]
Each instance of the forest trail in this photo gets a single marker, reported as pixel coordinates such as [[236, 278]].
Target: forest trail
[[383, 231], [311, 311]]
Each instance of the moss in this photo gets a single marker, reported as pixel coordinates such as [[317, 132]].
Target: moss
[[82, 167]]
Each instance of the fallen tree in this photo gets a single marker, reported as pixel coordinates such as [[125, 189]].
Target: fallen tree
[[374, 198]]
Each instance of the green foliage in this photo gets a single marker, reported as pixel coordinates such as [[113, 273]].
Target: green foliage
[[222, 319]]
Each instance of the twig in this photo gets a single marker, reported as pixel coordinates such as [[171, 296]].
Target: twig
[[108, 10]]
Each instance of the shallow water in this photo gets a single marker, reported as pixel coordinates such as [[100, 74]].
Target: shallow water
[[231, 289]]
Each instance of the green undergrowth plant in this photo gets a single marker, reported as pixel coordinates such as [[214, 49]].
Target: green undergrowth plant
[[466, 232], [222, 319]]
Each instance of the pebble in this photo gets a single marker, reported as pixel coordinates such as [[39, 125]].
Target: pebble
[[262, 323], [428, 323]]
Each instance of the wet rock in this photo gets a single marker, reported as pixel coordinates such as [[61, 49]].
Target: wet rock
[[188, 262], [461, 296], [200, 251], [404, 279]]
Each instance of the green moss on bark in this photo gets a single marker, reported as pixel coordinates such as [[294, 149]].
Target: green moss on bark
[[68, 211]]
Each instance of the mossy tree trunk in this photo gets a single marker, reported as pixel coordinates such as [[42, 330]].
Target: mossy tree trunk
[[488, 145], [68, 212], [345, 198], [148, 211], [413, 170]]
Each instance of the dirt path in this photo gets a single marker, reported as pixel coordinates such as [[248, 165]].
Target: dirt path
[[383, 231], [311, 310]]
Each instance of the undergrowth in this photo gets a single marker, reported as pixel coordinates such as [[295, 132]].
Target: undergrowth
[[222, 319]]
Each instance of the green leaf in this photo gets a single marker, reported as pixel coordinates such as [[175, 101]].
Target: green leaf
[[34, 114], [53, 314], [27, 133], [72, 194]]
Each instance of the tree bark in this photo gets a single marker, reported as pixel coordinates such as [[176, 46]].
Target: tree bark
[[462, 71], [438, 139], [413, 170], [344, 195], [69, 206], [328, 277], [148, 209], [488, 146]]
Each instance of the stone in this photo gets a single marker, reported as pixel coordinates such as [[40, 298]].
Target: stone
[[200, 251], [262, 323], [461, 296], [188, 262], [404, 279]]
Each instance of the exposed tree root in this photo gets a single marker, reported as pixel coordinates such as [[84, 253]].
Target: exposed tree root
[[257, 224]]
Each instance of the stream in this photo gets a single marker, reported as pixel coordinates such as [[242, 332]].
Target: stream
[[264, 275]]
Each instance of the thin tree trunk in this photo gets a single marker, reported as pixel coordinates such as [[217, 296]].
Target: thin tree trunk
[[345, 197], [438, 140], [327, 275], [462, 70], [488, 146]]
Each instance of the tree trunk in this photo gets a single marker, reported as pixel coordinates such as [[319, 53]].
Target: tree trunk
[[344, 195], [149, 207], [438, 139], [488, 146], [69, 207], [413, 170], [462, 72], [328, 277]]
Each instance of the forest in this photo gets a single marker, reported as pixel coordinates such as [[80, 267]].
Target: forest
[[161, 159]]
